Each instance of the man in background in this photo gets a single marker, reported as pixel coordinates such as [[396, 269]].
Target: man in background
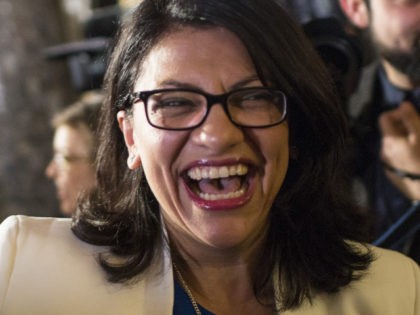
[[385, 112]]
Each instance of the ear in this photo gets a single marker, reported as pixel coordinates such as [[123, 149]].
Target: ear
[[356, 11], [126, 126]]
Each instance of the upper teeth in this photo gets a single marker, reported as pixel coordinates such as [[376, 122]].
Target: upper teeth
[[212, 172]]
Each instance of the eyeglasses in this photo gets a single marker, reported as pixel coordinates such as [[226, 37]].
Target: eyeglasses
[[63, 160], [183, 109]]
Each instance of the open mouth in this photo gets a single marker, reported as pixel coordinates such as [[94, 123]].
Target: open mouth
[[216, 183]]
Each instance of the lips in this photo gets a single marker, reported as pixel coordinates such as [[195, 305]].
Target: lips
[[217, 187]]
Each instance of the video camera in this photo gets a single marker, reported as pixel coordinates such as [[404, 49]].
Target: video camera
[[341, 52]]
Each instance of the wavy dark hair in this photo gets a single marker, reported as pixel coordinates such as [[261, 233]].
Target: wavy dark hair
[[311, 219]]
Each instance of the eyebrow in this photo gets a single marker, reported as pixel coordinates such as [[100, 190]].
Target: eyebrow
[[185, 85]]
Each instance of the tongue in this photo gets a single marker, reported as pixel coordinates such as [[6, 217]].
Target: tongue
[[220, 186]]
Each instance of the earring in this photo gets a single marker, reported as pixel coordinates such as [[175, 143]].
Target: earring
[[132, 157]]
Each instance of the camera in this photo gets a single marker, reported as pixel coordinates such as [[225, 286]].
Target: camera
[[341, 52]]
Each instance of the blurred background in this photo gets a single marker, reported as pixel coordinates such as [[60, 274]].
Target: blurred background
[[50, 52]]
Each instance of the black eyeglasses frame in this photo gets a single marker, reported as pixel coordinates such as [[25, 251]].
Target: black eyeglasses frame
[[211, 99]]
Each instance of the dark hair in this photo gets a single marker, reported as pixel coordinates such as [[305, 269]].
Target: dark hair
[[84, 112], [310, 223]]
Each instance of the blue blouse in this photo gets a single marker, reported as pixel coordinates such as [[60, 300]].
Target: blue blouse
[[183, 305]]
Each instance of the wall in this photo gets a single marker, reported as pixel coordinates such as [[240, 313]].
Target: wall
[[31, 90]]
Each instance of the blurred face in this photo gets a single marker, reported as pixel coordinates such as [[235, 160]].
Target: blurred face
[[71, 168], [215, 183], [395, 27]]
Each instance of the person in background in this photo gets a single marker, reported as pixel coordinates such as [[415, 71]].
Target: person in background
[[75, 144], [385, 114], [218, 183]]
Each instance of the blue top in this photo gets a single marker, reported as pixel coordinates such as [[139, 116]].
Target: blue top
[[183, 305]]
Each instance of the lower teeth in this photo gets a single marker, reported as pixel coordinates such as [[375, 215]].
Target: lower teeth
[[230, 195]]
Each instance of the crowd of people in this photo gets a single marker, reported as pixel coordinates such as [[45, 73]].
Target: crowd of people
[[217, 173]]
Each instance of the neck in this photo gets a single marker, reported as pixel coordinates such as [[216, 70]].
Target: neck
[[222, 292], [201, 254], [221, 280], [398, 78]]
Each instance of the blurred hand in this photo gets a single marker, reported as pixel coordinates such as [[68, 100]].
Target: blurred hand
[[400, 148]]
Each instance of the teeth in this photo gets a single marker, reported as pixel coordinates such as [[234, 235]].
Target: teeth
[[230, 195], [213, 172]]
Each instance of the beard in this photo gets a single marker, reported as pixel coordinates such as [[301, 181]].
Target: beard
[[407, 62]]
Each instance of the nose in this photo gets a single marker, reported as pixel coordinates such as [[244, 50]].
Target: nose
[[217, 131], [51, 169]]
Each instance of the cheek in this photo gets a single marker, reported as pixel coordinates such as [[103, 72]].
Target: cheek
[[275, 144], [160, 151], [88, 176], [65, 176], [274, 149], [80, 177], [159, 159], [280, 164], [389, 25], [279, 155], [70, 182], [153, 145]]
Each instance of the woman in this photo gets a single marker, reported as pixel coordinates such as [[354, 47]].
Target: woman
[[230, 203], [75, 144]]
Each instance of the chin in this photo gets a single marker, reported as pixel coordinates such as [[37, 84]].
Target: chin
[[226, 235]]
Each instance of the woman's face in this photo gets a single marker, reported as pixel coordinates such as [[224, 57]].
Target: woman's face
[[71, 167], [214, 61]]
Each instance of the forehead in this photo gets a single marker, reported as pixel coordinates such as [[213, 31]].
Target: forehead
[[68, 139], [188, 54]]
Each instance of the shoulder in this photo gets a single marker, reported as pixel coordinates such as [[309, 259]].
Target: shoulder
[[386, 259], [38, 255], [43, 237], [391, 285], [42, 246], [387, 269], [31, 232], [45, 269], [17, 224], [395, 272]]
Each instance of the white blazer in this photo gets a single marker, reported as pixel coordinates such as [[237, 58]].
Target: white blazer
[[46, 270]]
